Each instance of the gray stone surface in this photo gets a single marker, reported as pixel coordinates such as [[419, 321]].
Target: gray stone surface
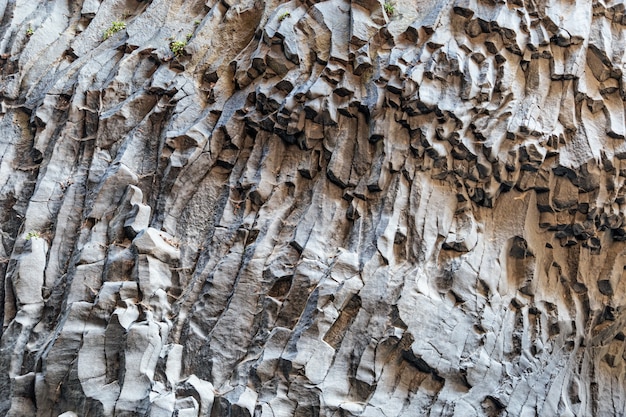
[[314, 209]]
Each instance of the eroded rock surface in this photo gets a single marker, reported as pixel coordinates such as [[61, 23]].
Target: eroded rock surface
[[312, 208]]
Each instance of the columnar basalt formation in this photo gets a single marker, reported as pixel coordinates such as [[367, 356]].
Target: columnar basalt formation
[[251, 208]]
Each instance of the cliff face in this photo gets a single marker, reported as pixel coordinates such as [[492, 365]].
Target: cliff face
[[298, 209]]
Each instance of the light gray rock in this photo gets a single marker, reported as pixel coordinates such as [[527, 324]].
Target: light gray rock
[[327, 208], [158, 244]]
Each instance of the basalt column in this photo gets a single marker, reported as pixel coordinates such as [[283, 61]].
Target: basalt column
[[335, 208]]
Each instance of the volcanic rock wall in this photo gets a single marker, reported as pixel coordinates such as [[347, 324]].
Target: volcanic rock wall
[[327, 208]]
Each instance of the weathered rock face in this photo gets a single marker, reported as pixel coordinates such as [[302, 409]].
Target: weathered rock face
[[298, 209]]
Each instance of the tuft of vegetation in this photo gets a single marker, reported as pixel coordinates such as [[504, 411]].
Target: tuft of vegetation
[[32, 234], [389, 8], [30, 31], [116, 26], [283, 16], [189, 35], [178, 47], [196, 22]]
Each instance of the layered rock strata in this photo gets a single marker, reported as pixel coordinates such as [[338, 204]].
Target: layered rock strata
[[312, 208]]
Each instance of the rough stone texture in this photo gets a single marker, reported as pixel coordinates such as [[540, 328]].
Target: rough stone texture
[[316, 208]]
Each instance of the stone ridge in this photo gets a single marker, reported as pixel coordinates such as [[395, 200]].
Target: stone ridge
[[248, 208]]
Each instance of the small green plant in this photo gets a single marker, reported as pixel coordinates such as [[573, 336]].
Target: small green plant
[[30, 31], [177, 47], [32, 234], [196, 22], [283, 16], [189, 35], [389, 8], [115, 27]]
